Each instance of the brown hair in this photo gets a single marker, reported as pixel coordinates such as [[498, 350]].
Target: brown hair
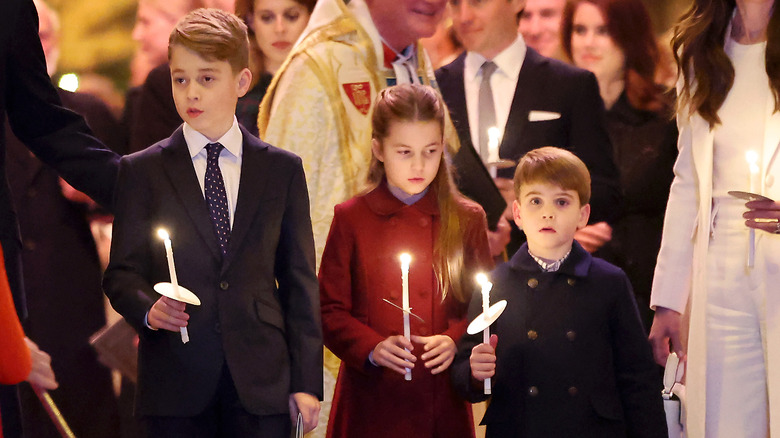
[[701, 60], [629, 26], [245, 9], [421, 103], [554, 166], [214, 35]]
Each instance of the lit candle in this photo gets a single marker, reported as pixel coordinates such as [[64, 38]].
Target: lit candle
[[494, 139], [486, 286], [174, 280], [752, 159], [405, 261]]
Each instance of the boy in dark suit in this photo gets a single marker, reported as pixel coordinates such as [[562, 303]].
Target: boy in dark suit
[[238, 213], [569, 357]]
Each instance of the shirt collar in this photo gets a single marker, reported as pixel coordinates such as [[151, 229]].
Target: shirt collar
[[232, 140], [577, 264], [509, 61], [382, 202], [549, 266]]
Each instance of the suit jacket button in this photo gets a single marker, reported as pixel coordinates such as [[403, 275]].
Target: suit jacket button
[[532, 283], [571, 335], [532, 334], [571, 281], [533, 391], [573, 391], [224, 285]]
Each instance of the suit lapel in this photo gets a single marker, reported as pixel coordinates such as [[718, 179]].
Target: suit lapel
[[521, 104], [255, 172], [178, 165]]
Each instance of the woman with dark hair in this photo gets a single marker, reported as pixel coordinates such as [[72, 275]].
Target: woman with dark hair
[[274, 26], [719, 264], [614, 40]]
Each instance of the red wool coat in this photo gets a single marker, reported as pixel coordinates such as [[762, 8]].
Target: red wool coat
[[360, 267]]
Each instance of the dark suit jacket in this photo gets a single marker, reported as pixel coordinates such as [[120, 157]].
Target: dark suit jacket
[[260, 305], [546, 84], [62, 271], [57, 136], [572, 359]]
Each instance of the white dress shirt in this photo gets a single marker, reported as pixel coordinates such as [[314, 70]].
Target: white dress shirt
[[229, 160], [503, 83]]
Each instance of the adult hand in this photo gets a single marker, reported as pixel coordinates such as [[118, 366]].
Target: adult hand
[[309, 407], [167, 314], [497, 240], [665, 328], [74, 195], [507, 188], [483, 359], [763, 215], [391, 353], [41, 374], [439, 351], [592, 237]]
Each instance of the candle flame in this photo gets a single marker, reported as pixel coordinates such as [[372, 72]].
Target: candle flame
[[481, 279], [406, 259], [752, 157], [163, 234]]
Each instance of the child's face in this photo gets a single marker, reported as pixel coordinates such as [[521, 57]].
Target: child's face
[[206, 92], [411, 154], [549, 216]]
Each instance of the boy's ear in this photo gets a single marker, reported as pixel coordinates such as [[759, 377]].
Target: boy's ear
[[584, 216], [244, 80], [376, 148], [516, 214]]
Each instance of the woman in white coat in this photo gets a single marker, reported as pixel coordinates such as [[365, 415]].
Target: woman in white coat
[[719, 263]]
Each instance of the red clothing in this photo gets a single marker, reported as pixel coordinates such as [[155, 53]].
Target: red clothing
[[360, 267]]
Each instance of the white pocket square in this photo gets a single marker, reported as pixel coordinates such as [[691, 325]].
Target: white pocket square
[[540, 116]]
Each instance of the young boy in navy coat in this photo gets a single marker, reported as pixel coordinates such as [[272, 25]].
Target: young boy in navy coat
[[237, 212], [568, 357]]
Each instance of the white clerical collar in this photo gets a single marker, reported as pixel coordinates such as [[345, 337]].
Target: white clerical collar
[[232, 140], [549, 266], [509, 61]]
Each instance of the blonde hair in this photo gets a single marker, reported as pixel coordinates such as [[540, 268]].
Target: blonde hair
[[214, 35], [421, 103], [554, 166]]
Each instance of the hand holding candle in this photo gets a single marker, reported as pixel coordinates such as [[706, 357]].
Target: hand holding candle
[[752, 159], [172, 290], [405, 261], [486, 286]]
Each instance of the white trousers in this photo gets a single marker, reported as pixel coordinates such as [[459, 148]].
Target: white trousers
[[737, 400]]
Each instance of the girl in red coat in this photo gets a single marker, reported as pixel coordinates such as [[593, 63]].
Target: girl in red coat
[[410, 207]]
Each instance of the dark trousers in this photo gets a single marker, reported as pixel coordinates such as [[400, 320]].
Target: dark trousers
[[224, 417]]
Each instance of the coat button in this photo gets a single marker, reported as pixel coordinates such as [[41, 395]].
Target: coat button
[[573, 391], [424, 222], [30, 245], [571, 335], [424, 331], [571, 281], [770, 179], [533, 391], [532, 334], [532, 283], [224, 285]]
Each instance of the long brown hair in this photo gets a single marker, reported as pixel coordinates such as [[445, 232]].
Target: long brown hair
[[421, 103], [630, 27], [245, 9], [701, 60]]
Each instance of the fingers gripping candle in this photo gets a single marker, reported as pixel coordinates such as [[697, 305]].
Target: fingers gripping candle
[[405, 261], [174, 281], [486, 286]]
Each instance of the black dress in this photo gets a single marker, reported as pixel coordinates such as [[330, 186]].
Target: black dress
[[645, 145]]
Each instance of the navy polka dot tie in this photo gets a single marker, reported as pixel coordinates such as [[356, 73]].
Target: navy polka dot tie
[[217, 197]]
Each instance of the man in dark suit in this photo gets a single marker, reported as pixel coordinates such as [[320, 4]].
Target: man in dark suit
[[532, 100], [57, 136], [238, 213]]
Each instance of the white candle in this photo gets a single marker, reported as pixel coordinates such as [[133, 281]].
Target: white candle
[[494, 140], [752, 159], [486, 286], [174, 280], [406, 259]]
